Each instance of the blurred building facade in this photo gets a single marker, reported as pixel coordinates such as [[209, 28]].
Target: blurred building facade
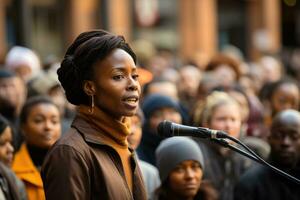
[[193, 28]]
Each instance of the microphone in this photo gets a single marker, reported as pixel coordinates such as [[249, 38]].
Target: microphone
[[170, 129]]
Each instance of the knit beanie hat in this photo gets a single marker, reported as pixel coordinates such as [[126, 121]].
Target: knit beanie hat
[[154, 102], [172, 151], [19, 56]]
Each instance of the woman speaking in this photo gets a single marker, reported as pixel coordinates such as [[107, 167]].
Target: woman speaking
[[92, 160]]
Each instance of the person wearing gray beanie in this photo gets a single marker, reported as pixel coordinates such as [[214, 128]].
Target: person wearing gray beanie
[[180, 164], [175, 150]]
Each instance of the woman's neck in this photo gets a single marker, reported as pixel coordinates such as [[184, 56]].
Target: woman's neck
[[174, 196], [37, 155], [108, 125]]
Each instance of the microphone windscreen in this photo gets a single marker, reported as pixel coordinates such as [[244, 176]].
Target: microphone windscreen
[[164, 128]]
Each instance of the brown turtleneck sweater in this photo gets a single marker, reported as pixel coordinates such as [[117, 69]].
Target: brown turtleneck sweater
[[114, 134]]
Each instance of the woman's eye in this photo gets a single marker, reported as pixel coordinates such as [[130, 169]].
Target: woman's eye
[[37, 121], [135, 77], [55, 121], [196, 166], [179, 169], [118, 77]]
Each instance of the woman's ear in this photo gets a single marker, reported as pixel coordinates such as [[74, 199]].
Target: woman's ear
[[89, 88]]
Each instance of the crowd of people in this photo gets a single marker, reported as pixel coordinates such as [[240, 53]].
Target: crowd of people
[[86, 127]]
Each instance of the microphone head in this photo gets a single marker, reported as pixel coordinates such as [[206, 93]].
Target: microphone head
[[164, 128]]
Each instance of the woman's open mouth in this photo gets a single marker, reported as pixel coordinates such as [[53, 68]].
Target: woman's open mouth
[[131, 101]]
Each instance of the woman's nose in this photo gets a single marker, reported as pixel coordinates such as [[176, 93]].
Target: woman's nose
[[190, 173], [133, 84], [10, 147]]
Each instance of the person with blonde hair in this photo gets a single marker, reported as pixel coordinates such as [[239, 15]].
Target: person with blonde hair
[[219, 111]]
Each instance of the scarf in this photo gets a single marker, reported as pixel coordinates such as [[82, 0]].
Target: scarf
[[112, 128]]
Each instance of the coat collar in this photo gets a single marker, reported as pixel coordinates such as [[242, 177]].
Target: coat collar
[[24, 168], [93, 135]]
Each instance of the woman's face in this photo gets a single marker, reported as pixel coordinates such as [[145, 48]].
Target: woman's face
[[285, 97], [227, 118], [42, 127], [115, 86], [185, 179], [6, 148]]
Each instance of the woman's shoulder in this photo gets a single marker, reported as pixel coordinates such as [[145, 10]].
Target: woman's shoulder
[[69, 151], [70, 142]]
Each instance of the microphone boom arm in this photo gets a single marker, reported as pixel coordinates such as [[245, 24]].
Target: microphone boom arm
[[252, 156]]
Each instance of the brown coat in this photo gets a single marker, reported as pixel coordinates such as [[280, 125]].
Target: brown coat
[[81, 166]]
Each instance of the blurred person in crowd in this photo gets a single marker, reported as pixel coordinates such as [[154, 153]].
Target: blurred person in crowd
[[144, 50], [149, 172], [261, 182], [47, 83], [224, 68], [233, 52], [6, 148], [40, 125], [188, 83], [170, 74], [166, 88], [259, 146], [222, 166], [282, 94], [256, 144], [253, 80], [12, 97], [237, 93], [157, 65], [160, 62], [156, 108], [272, 69], [206, 85], [181, 166], [93, 159], [11, 187], [161, 86], [251, 84], [24, 62], [294, 63]]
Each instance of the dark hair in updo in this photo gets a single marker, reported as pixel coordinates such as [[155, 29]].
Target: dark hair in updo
[[84, 52]]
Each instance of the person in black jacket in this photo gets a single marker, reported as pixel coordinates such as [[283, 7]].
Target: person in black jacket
[[261, 182]]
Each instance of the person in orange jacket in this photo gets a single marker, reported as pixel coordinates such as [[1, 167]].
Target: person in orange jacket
[[40, 124]]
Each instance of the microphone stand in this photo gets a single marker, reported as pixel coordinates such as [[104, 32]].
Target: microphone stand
[[252, 155], [226, 144]]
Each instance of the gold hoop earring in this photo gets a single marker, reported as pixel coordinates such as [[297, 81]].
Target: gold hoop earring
[[91, 109]]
